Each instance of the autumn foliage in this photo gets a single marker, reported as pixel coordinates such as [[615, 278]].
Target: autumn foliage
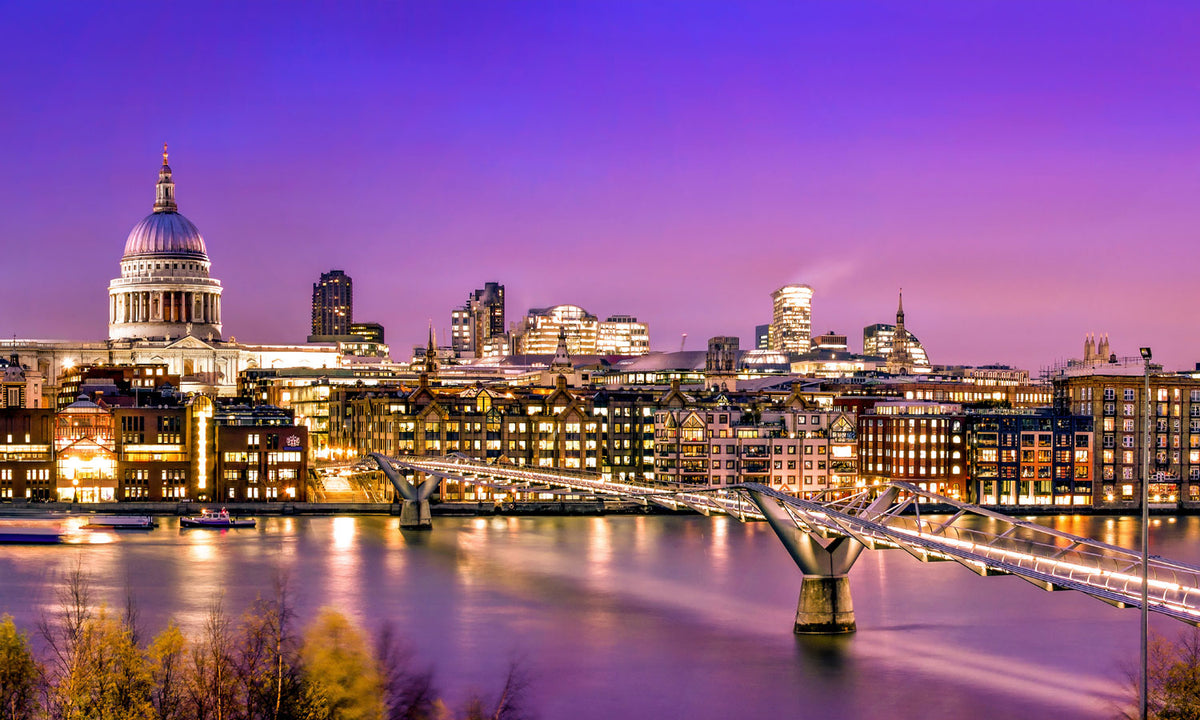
[[260, 666]]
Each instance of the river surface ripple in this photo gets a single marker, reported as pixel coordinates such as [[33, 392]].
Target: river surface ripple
[[644, 616]]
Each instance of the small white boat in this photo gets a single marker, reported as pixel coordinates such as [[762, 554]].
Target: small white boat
[[122, 522], [212, 519]]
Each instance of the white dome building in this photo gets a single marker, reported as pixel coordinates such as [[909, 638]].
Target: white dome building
[[164, 292]]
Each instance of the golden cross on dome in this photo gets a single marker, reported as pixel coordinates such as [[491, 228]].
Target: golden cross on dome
[[164, 153]]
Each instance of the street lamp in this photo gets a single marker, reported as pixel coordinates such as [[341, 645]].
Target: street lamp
[[1148, 406]]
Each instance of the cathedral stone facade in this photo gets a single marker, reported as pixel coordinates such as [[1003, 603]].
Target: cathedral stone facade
[[164, 292]]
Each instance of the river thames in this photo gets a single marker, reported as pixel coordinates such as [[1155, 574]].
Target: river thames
[[644, 616]]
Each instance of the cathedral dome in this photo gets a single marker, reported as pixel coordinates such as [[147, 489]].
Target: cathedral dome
[[165, 233]]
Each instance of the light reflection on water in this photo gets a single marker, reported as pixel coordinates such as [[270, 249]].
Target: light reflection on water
[[644, 617]]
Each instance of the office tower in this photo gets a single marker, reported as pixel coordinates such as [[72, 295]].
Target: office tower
[[479, 320], [762, 334], [792, 323], [332, 304]]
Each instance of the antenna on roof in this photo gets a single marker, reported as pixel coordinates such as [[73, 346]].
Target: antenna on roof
[[682, 340]]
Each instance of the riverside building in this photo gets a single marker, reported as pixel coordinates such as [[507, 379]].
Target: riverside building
[[1111, 391]]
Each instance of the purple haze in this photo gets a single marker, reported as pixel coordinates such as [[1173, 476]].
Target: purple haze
[[1027, 171]]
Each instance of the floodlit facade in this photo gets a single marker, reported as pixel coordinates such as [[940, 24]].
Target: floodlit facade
[[879, 341], [165, 291], [791, 327], [1113, 395], [539, 330], [622, 335]]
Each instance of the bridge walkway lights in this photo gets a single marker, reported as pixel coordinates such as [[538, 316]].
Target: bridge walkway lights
[[825, 536]]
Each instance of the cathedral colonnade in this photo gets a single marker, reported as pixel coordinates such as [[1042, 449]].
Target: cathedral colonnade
[[165, 290]]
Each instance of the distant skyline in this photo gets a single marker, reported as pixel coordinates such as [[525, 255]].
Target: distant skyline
[[1027, 171]]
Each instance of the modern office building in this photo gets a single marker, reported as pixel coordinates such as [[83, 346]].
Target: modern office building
[[762, 337], [901, 351], [791, 326], [622, 335], [481, 319], [1031, 458], [539, 330], [879, 340], [332, 305]]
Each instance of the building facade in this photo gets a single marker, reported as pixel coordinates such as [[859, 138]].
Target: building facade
[[475, 326], [880, 339], [165, 290], [791, 326], [1113, 395], [332, 305], [27, 454], [622, 335], [538, 332]]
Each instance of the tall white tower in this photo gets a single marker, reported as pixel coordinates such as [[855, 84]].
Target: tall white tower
[[791, 327]]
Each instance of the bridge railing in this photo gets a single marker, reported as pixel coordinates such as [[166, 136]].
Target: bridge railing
[[983, 540]]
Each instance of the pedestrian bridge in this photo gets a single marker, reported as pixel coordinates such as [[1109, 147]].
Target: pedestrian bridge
[[826, 536]]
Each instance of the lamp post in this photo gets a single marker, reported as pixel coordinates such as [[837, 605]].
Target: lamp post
[[1148, 406]]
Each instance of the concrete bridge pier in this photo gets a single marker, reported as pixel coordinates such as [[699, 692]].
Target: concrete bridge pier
[[825, 607], [414, 500], [414, 514]]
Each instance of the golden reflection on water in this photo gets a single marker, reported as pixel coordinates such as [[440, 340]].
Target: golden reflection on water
[[641, 536], [201, 544], [719, 550], [599, 547], [344, 530], [343, 565]]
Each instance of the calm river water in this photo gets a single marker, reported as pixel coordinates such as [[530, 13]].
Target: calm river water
[[646, 617]]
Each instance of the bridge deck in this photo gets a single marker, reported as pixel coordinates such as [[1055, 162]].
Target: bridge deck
[[982, 540]]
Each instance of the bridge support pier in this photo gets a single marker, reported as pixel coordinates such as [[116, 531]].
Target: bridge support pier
[[414, 515], [414, 508], [825, 607]]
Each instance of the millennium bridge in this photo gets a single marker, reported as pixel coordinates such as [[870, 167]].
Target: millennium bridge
[[824, 536]]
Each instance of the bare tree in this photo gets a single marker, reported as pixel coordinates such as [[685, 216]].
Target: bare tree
[[268, 661], [63, 630], [408, 694], [212, 683], [510, 704]]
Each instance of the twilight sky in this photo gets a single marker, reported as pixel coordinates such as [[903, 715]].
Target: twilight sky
[[1027, 171]]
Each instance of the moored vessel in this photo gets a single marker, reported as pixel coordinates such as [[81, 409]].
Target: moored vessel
[[122, 522], [209, 518]]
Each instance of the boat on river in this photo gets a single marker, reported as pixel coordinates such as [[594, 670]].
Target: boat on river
[[122, 522], [215, 520], [30, 535]]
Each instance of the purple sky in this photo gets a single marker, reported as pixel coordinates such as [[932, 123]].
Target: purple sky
[[1027, 171]]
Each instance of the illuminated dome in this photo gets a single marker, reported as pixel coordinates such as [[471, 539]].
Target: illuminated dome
[[165, 233], [165, 291]]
